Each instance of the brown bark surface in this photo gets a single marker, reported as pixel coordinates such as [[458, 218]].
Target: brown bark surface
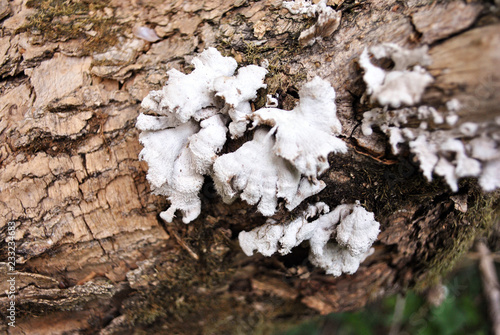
[[92, 253]]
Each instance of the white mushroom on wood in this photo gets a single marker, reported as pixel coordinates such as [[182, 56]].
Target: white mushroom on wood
[[339, 240], [281, 163]]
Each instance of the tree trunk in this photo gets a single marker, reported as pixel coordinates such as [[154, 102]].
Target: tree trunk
[[92, 254]]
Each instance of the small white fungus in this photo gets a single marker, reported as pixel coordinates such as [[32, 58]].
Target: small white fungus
[[327, 23], [400, 85], [339, 240], [306, 135]]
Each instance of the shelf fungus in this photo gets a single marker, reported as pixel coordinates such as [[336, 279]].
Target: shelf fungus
[[193, 114], [405, 83], [259, 176], [327, 23], [339, 240], [182, 140], [291, 155], [306, 135], [178, 158], [237, 92], [467, 150], [185, 96], [452, 148]]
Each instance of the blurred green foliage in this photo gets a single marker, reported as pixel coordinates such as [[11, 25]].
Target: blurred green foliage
[[463, 311]]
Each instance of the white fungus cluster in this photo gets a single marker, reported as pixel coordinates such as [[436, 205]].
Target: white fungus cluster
[[469, 150], [464, 150], [195, 111], [182, 142], [284, 162], [405, 83], [327, 23], [339, 240], [289, 151]]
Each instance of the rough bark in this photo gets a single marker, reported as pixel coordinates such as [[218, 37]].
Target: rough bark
[[92, 253]]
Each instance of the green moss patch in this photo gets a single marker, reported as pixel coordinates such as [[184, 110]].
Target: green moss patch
[[462, 229], [63, 20]]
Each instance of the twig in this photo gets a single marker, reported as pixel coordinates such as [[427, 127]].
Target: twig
[[182, 243], [398, 315], [490, 285]]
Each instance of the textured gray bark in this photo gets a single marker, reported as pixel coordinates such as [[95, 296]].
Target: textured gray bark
[[92, 253]]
